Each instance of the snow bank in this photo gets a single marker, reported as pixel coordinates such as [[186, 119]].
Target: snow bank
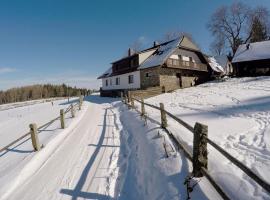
[[149, 174], [27, 165], [237, 112]]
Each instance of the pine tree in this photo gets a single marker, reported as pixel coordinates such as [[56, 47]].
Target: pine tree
[[258, 31]]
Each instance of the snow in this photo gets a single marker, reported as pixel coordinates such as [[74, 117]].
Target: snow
[[108, 152], [163, 52], [215, 65], [237, 112], [256, 51], [107, 73]]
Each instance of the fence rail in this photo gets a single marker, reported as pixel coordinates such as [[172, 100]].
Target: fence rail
[[204, 170], [42, 126]]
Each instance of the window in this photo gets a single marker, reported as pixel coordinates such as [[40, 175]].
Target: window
[[174, 62], [106, 82], [169, 61], [110, 81], [130, 79], [148, 74], [191, 59], [117, 81]]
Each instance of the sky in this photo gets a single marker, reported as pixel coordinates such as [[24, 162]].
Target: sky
[[74, 41]]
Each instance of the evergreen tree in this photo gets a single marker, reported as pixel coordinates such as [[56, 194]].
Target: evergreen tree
[[258, 31]]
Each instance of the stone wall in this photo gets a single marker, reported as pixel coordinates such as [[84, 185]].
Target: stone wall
[[174, 79], [152, 80], [171, 78]]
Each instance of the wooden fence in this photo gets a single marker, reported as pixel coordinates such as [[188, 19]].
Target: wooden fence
[[200, 140], [34, 130]]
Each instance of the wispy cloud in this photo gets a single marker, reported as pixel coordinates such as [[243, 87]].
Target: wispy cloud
[[4, 70]]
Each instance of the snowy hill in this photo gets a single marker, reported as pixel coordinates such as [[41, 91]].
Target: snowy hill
[[237, 112]]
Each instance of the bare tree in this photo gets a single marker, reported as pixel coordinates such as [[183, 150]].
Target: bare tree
[[233, 25], [137, 45], [230, 23], [217, 47]]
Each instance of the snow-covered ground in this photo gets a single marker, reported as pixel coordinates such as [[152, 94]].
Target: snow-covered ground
[[108, 152], [237, 112], [14, 122]]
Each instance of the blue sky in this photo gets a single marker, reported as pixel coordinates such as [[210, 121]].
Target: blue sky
[[72, 41]]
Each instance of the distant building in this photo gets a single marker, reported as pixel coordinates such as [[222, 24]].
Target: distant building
[[252, 59], [174, 64], [221, 65]]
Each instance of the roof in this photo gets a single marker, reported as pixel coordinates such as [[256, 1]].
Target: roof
[[256, 51], [216, 65], [160, 55], [107, 73]]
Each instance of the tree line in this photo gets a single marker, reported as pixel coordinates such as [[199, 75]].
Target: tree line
[[39, 91]]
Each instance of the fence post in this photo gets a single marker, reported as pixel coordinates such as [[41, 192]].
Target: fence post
[[34, 137], [132, 102], [129, 97], [199, 149], [163, 116], [121, 96], [125, 99], [62, 118], [72, 111], [80, 103], [142, 107], [163, 89]]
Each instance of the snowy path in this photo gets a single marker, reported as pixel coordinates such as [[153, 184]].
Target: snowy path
[[83, 166]]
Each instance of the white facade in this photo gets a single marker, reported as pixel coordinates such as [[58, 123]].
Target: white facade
[[123, 81]]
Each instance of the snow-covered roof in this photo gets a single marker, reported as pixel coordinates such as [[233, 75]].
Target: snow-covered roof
[[214, 64], [160, 55], [107, 73], [256, 51], [218, 63]]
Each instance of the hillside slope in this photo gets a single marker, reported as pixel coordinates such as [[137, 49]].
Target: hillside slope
[[237, 112]]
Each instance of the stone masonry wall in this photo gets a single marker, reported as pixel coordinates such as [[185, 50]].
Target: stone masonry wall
[[153, 79]]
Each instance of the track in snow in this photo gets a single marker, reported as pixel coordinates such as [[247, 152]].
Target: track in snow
[[84, 165]]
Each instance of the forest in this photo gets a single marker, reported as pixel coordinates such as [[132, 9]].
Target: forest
[[39, 91]]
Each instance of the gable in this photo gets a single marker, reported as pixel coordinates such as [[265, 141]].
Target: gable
[[187, 43]]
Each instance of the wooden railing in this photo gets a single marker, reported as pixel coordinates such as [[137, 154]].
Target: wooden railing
[[199, 155], [34, 130], [175, 63]]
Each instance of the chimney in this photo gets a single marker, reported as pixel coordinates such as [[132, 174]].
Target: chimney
[[248, 45], [156, 43], [130, 52]]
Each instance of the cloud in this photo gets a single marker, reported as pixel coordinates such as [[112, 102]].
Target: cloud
[[4, 70]]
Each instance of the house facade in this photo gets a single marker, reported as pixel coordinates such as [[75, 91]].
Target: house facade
[[252, 59], [172, 65]]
